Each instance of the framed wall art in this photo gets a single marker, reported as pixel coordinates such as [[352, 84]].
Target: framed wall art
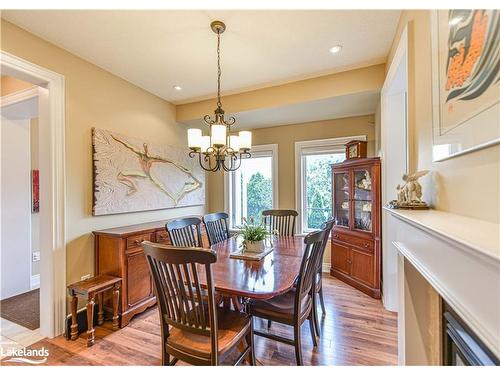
[[35, 191], [131, 175], [465, 78]]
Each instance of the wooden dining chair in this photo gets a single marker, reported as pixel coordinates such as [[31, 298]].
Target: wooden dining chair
[[282, 221], [295, 306], [318, 282], [199, 333], [185, 232], [217, 227]]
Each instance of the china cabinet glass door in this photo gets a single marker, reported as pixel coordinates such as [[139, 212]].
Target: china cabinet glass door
[[342, 198], [362, 201]]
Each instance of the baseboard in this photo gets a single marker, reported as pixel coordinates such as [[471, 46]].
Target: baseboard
[[326, 267], [35, 282]]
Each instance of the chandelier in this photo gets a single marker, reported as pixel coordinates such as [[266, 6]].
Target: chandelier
[[220, 149]]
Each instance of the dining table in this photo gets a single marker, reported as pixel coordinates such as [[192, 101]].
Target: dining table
[[262, 279]]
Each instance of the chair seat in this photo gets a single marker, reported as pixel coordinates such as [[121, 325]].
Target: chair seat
[[280, 308], [232, 327]]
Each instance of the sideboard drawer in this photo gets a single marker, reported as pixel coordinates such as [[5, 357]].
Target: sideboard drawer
[[365, 244], [135, 241], [162, 237]]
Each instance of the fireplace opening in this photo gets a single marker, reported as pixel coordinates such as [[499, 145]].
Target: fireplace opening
[[461, 347]]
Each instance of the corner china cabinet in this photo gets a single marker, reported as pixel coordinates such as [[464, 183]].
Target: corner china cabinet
[[355, 244]]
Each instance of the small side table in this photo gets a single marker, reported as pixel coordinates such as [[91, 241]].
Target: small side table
[[90, 289]]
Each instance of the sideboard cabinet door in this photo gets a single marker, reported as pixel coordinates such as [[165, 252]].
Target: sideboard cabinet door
[[341, 258], [138, 278]]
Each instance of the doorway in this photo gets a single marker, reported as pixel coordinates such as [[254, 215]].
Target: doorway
[[20, 248], [48, 87], [395, 160]]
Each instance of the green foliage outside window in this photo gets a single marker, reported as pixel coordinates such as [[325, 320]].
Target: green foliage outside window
[[259, 196], [319, 188]]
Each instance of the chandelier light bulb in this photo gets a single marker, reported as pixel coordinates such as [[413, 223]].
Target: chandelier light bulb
[[194, 139], [234, 142], [205, 143], [245, 140], [218, 135]]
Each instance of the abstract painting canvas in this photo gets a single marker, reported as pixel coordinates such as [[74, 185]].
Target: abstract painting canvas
[[466, 89], [131, 174]]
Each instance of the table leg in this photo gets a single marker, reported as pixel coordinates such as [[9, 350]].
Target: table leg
[[226, 302], [236, 303], [116, 299], [74, 320], [90, 320], [100, 314]]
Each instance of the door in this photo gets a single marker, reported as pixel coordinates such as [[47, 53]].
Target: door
[[139, 283], [341, 198], [341, 258], [15, 253], [362, 267], [362, 200]]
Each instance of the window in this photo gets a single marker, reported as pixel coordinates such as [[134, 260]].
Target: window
[[253, 187], [318, 188], [314, 179]]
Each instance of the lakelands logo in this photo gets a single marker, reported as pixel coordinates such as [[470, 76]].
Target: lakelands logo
[[26, 355]]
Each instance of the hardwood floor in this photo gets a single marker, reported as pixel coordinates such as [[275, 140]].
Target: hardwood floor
[[355, 331]]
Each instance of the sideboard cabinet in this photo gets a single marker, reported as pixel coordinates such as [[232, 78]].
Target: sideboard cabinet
[[118, 252], [355, 245]]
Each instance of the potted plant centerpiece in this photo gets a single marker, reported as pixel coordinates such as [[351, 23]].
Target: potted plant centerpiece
[[254, 236]]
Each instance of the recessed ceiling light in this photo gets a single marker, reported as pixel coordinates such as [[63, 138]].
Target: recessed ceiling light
[[177, 87], [455, 20], [335, 49]]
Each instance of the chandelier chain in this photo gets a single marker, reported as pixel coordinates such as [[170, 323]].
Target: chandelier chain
[[219, 73]]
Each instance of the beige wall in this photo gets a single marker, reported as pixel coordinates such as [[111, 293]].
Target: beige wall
[[8, 85], [97, 98], [465, 185], [362, 80]]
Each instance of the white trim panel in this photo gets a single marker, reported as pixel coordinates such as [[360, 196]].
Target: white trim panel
[[467, 279], [35, 282]]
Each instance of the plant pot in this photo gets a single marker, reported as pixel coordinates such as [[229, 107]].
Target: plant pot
[[255, 247]]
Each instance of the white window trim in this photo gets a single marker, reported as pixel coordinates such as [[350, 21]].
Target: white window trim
[[255, 151], [313, 147]]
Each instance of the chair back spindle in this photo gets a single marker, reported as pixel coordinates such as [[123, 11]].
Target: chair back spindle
[[217, 227], [185, 232], [282, 221]]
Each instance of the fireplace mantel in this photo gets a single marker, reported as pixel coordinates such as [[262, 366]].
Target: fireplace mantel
[[460, 258]]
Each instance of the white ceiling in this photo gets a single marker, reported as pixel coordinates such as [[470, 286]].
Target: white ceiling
[[158, 49], [331, 108]]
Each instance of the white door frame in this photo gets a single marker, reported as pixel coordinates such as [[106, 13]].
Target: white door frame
[[52, 191], [390, 292]]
